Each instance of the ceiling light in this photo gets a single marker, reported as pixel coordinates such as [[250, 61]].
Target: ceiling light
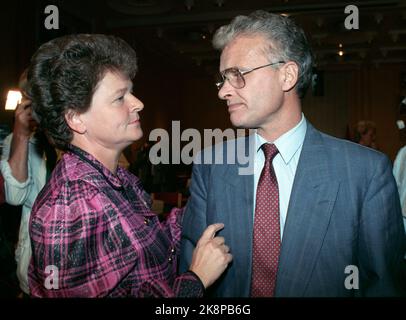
[[13, 99]]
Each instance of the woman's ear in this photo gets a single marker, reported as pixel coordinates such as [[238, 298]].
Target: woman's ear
[[290, 75], [75, 121]]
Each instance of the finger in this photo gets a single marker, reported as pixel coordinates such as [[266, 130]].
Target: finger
[[218, 240], [229, 258], [210, 231], [25, 103]]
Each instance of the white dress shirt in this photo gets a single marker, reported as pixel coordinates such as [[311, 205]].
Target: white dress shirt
[[285, 163]]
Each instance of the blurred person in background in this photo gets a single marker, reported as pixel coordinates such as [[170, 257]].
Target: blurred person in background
[[26, 163], [365, 134]]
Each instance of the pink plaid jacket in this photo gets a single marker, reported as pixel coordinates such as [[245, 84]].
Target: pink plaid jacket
[[97, 234]]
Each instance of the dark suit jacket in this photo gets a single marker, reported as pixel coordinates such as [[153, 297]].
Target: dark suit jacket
[[344, 210]]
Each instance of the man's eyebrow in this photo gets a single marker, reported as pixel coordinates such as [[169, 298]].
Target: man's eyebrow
[[231, 68]]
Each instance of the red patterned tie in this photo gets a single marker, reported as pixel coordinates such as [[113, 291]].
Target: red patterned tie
[[267, 239]]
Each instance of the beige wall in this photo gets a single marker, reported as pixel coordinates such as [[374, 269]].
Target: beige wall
[[329, 112]]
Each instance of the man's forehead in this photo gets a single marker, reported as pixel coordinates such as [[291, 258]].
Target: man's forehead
[[241, 50]]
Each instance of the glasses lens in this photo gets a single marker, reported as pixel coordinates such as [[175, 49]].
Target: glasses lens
[[219, 81], [235, 78]]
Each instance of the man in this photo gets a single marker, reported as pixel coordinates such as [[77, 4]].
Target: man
[[332, 223]]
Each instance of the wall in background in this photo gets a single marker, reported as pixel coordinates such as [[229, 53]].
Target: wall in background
[[169, 93]]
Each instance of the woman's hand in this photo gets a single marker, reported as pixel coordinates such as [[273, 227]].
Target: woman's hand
[[211, 255]]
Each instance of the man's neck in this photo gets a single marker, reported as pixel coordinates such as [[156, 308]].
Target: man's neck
[[281, 123]]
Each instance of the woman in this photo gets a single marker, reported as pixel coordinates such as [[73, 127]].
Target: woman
[[92, 231]]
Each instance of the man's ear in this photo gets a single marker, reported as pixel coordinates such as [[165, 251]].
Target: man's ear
[[75, 121], [290, 75]]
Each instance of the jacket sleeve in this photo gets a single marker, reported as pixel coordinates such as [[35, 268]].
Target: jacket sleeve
[[382, 242], [194, 221], [187, 284]]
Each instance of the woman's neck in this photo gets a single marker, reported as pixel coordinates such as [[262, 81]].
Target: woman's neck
[[108, 157]]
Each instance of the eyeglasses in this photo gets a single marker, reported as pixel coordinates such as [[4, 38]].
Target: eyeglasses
[[235, 76]]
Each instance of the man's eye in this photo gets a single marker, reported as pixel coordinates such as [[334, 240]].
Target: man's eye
[[233, 73]]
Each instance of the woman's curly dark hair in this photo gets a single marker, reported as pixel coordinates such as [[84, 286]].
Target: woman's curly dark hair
[[64, 73]]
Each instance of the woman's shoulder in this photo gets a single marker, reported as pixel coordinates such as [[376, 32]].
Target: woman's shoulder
[[65, 199], [70, 180]]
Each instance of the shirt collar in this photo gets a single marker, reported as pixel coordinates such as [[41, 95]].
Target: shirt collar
[[114, 180], [288, 143]]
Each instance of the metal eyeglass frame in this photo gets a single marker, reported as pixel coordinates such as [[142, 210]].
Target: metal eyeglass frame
[[241, 74]]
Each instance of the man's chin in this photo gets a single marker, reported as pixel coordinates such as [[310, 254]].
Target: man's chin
[[239, 123]]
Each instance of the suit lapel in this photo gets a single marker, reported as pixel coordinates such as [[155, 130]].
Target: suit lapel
[[311, 202], [237, 202]]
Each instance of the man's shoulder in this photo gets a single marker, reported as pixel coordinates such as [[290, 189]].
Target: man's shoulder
[[345, 150], [226, 152]]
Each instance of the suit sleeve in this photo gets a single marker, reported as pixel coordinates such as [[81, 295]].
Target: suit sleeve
[[382, 238], [194, 221]]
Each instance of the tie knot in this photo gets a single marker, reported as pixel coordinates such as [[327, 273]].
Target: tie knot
[[270, 151]]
